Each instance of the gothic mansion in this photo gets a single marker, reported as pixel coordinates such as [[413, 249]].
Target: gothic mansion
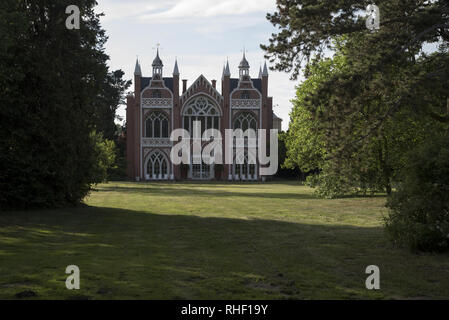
[[157, 108]]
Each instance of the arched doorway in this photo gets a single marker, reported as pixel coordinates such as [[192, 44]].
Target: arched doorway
[[206, 111], [157, 166], [243, 169]]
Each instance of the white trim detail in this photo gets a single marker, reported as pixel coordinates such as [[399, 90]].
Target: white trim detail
[[156, 142], [157, 102], [246, 103]]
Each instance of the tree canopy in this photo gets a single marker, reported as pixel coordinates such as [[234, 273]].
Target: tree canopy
[[55, 91], [402, 68], [373, 112], [373, 165]]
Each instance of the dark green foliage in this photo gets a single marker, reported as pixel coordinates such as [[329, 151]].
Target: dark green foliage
[[117, 172], [51, 83], [371, 167], [378, 96], [286, 171], [103, 158], [394, 70], [389, 96], [306, 29], [110, 98], [419, 210]]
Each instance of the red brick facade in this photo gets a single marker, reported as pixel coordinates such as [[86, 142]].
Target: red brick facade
[[157, 107]]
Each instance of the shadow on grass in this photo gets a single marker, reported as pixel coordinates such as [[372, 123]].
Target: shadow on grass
[[137, 255], [214, 190]]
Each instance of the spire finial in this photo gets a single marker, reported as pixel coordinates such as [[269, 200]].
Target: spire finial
[[157, 47], [227, 70], [244, 63], [176, 69], [265, 70], [157, 62], [137, 69]]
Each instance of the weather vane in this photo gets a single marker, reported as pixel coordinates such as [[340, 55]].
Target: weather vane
[[158, 46]]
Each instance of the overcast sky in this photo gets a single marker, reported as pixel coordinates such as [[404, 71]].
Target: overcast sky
[[200, 33]]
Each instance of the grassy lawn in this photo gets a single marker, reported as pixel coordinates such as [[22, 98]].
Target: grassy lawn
[[212, 241]]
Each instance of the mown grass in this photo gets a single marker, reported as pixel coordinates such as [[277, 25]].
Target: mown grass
[[212, 241]]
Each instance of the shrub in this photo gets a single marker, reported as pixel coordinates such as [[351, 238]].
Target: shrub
[[329, 186], [104, 156], [419, 209]]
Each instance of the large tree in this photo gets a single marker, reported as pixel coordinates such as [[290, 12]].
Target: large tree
[[383, 75], [391, 96], [373, 165], [51, 81], [110, 98], [403, 67]]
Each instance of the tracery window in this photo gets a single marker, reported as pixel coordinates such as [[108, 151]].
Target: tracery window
[[245, 121], [156, 125], [204, 110], [246, 170], [157, 166]]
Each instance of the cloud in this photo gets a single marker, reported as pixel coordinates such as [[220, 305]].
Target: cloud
[[222, 25], [199, 9], [209, 18], [122, 10], [201, 33], [155, 11]]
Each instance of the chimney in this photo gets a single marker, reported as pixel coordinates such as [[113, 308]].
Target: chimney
[[184, 86], [214, 84]]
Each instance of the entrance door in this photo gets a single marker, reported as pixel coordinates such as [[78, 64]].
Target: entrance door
[[201, 171]]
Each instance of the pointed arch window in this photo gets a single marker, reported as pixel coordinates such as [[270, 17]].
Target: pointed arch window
[[204, 110], [157, 166], [245, 121], [244, 167], [157, 125]]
